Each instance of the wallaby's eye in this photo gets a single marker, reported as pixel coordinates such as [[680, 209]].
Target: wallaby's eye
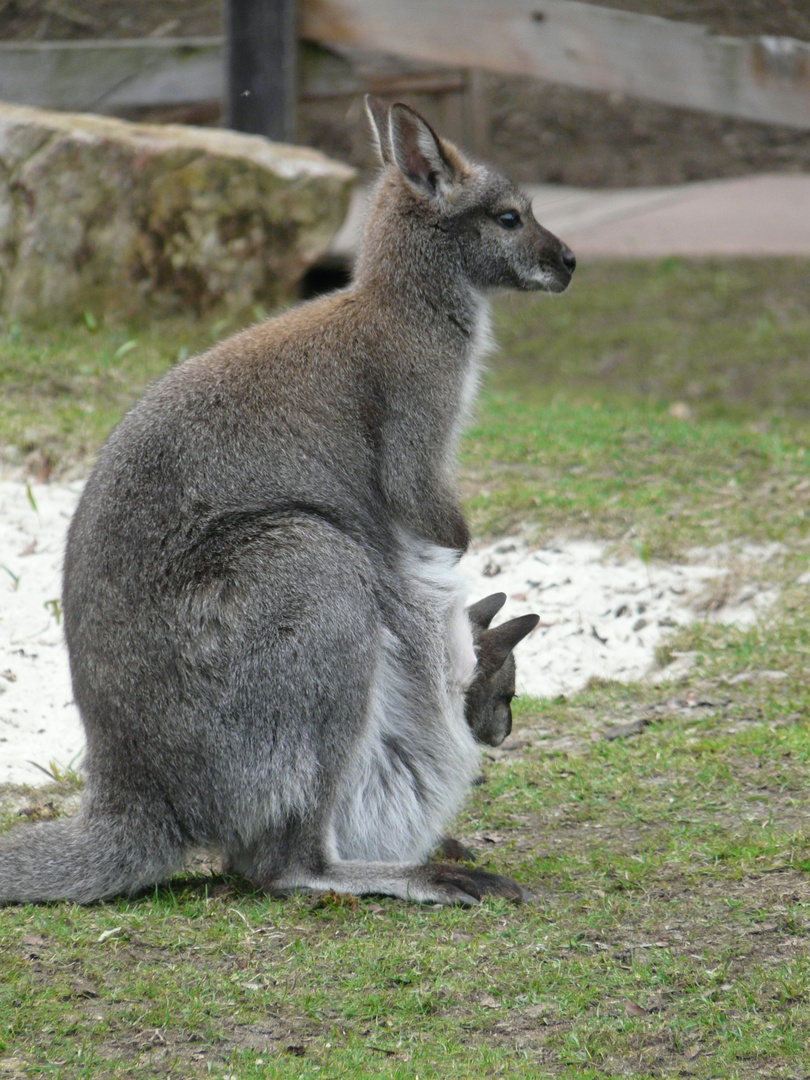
[[509, 219]]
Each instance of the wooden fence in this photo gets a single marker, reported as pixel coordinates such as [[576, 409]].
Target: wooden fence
[[563, 41]]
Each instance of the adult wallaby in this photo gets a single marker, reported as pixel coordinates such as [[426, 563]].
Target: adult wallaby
[[264, 619]]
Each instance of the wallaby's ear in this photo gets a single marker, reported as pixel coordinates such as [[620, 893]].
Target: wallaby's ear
[[430, 165], [377, 112], [484, 611], [494, 646]]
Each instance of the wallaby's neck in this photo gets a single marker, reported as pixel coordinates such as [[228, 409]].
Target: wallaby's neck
[[409, 259]]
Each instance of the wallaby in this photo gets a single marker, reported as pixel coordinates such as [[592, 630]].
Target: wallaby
[[488, 701], [264, 616]]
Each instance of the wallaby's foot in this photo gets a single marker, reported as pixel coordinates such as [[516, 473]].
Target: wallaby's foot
[[464, 885], [454, 851], [433, 883]]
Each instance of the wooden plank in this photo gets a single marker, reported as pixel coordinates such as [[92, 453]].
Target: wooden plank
[[576, 44], [766, 79], [101, 76], [104, 76], [324, 73], [261, 67]]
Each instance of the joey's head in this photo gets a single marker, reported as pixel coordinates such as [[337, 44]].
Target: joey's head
[[488, 704], [487, 222]]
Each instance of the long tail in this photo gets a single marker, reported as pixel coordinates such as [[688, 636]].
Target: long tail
[[82, 859]]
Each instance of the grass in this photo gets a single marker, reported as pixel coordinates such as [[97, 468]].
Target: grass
[[670, 936], [580, 466], [722, 338]]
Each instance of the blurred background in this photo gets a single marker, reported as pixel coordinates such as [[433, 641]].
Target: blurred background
[[540, 130]]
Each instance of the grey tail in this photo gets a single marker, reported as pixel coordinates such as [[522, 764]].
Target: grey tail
[[83, 858]]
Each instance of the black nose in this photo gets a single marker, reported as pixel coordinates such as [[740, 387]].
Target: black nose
[[568, 259]]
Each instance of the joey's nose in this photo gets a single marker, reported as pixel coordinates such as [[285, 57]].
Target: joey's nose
[[568, 259]]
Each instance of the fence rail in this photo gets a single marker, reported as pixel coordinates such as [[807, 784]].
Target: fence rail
[[576, 44], [564, 41]]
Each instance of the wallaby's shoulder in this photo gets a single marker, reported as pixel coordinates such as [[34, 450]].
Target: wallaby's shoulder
[[290, 340]]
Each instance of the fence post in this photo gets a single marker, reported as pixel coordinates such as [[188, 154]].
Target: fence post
[[261, 67]]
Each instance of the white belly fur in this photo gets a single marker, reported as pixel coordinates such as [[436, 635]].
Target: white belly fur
[[419, 756]]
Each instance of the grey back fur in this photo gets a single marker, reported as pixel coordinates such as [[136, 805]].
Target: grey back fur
[[265, 623]]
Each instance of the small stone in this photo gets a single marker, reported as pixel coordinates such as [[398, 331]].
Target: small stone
[[624, 731]]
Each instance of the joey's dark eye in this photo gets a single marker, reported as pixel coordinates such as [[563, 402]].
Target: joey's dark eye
[[509, 219]]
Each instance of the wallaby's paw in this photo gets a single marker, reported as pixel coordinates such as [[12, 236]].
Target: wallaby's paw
[[474, 884]]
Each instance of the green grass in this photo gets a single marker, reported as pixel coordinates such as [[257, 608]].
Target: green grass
[[670, 936], [579, 467], [726, 338]]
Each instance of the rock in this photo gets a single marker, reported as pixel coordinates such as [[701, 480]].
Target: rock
[[102, 215], [624, 731]]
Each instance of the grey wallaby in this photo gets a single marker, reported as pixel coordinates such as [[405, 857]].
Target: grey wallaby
[[264, 616]]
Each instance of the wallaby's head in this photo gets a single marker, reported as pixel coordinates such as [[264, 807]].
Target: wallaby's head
[[489, 697], [486, 220]]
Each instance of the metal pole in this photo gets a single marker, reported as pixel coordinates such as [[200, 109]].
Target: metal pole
[[262, 43]]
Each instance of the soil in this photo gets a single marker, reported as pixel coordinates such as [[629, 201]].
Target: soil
[[537, 132]]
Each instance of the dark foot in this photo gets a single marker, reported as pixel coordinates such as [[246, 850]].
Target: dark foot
[[466, 886]]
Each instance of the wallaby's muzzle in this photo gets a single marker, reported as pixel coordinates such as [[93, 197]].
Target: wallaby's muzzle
[[554, 262]]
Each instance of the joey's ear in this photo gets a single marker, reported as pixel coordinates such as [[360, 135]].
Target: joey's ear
[[484, 611], [495, 645], [430, 165], [377, 112]]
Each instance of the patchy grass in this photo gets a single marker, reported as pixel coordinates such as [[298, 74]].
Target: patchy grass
[[669, 936], [725, 338], [671, 930]]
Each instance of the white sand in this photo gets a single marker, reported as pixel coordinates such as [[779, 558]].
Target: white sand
[[599, 617]]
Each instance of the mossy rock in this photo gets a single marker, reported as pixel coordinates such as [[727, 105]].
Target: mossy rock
[[101, 214]]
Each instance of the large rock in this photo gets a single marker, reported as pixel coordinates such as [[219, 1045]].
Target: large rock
[[102, 215]]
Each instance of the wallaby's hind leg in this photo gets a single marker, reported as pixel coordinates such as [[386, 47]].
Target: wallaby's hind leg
[[455, 851], [427, 883], [326, 716]]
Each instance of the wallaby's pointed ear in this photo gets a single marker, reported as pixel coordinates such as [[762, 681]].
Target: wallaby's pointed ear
[[422, 158], [484, 611], [495, 645], [377, 112]]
